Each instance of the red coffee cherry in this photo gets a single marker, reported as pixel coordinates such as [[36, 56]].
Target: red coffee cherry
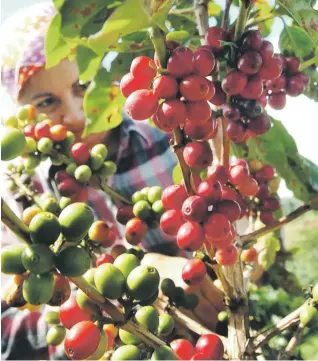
[[253, 89], [267, 217], [173, 196], [217, 226], [231, 209], [205, 131], [198, 155], [141, 104], [171, 221], [234, 82], [58, 132], [124, 214], [267, 49], [130, 84], [104, 258], [249, 255], [210, 94], [198, 112], [211, 346], [165, 87], [214, 36], [80, 153], [143, 66], [181, 62], [182, 348], [190, 236], [292, 65], [82, 340], [249, 188], [277, 100], [42, 130], [271, 68], [195, 208], [231, 113], [263, 192], [224, 242], [194, 87], [238, 162], [271, 204], [229, 193], [218, 173], [295, 86], [259, 125], [68, 187], [250, 62], [204, 61], [238, 175], [71, 313], [235, 131], [170, 114], [29, 131], [263, 99], [136, 231], [276, 85], [226, 256], [210, 190], [193, 272], [252, 39]]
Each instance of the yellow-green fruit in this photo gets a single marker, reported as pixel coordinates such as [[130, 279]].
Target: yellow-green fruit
[[126, 263], [30, 145], [11, 262], [86, 303], [53, 318], [32, 161], [44, 228], [64, 202], [101, 349], [73, 261], [55, 335], [89, 276], [38, 258], [154, 194], [109, 281], [101, 150], [143, 282], [12, 121], [127, 352], [163, 353], [50, 204], [166, 325], [255, 165], [12, 143], [38, 289], [75, 221], [307, 313], [148, 317], [128, 338]]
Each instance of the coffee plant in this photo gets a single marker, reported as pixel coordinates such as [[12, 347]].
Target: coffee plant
[[210, 88]]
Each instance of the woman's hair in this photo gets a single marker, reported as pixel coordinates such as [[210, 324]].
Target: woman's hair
[[22, 48]]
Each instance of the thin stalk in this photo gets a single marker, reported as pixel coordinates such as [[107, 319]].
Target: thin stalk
[[185, 11], [112, 193], [241, 20], [306, 64], [225, 19], [157, 37], [260, 20]]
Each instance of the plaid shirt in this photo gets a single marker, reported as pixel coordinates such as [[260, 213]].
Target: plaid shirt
[[143, 159]]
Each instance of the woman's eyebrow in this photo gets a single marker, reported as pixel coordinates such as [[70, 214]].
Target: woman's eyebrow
[[40, 95]]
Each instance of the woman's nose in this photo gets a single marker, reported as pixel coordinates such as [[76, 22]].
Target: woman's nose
[[73, 114]]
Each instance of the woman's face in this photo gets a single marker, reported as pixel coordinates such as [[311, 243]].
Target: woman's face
[[58, 93]]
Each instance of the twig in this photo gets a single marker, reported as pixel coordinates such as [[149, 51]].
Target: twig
[[264, 337], [185, 11], [242, 17], [284, 220], [14, 223], [202, 17], [112, 193], [293, 342], [226, 14], [260, 20], [226, 145], [158, 39], [306, 64]]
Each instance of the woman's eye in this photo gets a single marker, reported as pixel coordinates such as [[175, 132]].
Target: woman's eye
[[82, 86], [46, 103]]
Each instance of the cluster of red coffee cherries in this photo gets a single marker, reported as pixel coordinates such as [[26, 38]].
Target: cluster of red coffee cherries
[[291, 82]]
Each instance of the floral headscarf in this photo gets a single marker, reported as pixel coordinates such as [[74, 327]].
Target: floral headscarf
[[23, 53]]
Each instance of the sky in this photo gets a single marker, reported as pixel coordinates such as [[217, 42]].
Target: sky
[[300, 116]]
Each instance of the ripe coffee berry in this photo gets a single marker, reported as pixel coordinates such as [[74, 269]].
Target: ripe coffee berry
[[204, 61], [29, 131], [231, 113], [276, 85], [198, 112], [136, 230], [194, 87], [170, 114], [141, 104], [71, 313], [58, 132], [295, 86], [224, 242], [195, 208], [42, 130], [219, 97], [104, 258], [250, 62], [271, 68], [173, 196], [165, 87], [190, 236], [130, 84], [217, 226], [267, 217], [214, 36], [238, 175], [143, 66], [235, 131], [229, 208], [181, 62], [198, 155], [194, 272], [253, 89], [249, 188], [210, 94], [182, 348], [205, 131], [249, 255], [251, 40], [210, 190], [211, 346], [277, 100], [171, 221], [234, 82], [267, 49], [259, 125], [218, 173], [292, 65], [124, 214], [80, 153], [226, 256]]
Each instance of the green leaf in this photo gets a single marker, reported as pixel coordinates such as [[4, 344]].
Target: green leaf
[[311, 90], [214, 9], [305, 16], [178, 36], [76, 14], [125, 19], [268, 245], [177, 174], [294, 40], [157, 11], [264, 9], [183, 22], [56, 48], [278, 148], [88, 63], [103, 104]]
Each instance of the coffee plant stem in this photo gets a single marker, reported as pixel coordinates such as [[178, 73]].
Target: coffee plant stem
[[185, 11], [226, 14], [293, 342], [260, 20], [158, 40], [306, 64], [282, 221], [226, 145], [263, 337], [241, 20], [14, 223], [112, 193]]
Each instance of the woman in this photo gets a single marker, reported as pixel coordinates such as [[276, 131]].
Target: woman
[[141, 153]]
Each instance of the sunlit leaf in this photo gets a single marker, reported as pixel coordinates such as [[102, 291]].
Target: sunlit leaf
[[177, 174], [88, 63], [294, 40]]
